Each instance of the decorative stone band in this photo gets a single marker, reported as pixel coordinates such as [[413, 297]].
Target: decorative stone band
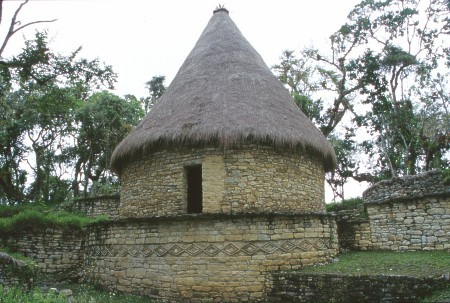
[[209, 249]]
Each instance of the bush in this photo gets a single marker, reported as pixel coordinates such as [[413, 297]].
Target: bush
[[353, 203]]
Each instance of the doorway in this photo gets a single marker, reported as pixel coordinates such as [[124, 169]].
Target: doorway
[[194, 189]]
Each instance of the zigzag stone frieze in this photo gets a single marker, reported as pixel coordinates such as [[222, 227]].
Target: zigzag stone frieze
[[208, 249]]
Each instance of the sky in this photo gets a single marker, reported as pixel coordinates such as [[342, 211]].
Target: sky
[[141, 39], [144, 38]]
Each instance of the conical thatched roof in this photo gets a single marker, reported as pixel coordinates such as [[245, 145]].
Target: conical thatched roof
[[223, 95]]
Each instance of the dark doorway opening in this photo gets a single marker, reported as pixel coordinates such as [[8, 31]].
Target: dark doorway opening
[[194, 189]]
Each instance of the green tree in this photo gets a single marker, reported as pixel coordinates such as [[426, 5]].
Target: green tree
[[103, 121], [39, 94], [156, 89], [12, 177], [298, 75], [386, 72], [58, 127], [409, 130]]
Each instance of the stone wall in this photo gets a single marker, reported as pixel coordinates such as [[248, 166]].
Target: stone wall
[[197, 257], [54, 250], [410, 213], [97, 206], [325, 288], [416, 224], [252, 179]]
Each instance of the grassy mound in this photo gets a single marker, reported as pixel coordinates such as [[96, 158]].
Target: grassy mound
[[14, 219]]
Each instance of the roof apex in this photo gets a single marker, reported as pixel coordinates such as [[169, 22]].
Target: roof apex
[[221, 8]]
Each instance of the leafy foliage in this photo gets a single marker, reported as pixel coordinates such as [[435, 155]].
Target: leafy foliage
[[37, 106], [156, 89], [381, 90], [58, 124], [103, 121]]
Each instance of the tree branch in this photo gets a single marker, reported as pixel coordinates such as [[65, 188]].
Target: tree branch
[[12, 27], [1, 11]]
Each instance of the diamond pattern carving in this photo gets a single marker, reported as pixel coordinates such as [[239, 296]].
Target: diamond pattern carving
[[320, 244], [176, 250], [287, 246], [160, 251], [209, 249], [305, 245], [193, 250], [231, 249], [250, 249], [269, 248], [147, 251], [134, 251]]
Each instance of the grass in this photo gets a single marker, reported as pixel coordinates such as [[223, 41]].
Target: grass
[[18, 256], [81, 294], [13, 220], [22, 273], [440, 296], [418, 263], [17, 294], [426, 264], [86, 293], [9, 211]]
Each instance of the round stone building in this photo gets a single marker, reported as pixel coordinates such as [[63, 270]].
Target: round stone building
[[226, 137], [221, 183]]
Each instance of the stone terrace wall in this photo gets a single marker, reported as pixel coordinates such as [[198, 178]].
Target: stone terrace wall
[[193, 258], [325, 288], [55, 251], [410, 213], [252, 179], [97, 206]]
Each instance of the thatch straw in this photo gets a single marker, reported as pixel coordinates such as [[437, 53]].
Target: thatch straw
[[224, 95]]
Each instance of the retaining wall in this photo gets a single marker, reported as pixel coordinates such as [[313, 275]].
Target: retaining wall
[[325, 288], [54, 250], [197, 257]]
